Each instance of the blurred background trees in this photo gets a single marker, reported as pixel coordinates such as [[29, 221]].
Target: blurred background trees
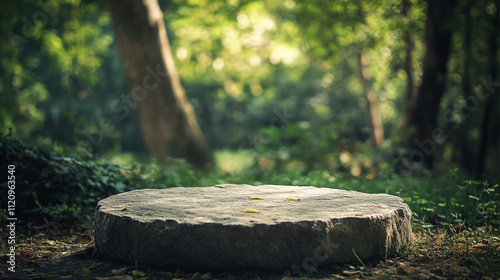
[[356, 87]]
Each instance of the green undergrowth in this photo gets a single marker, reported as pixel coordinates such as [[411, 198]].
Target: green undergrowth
[[64, 189], [51, 186], [435, 201]]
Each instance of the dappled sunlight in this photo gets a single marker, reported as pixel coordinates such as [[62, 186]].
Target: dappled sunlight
[[230, 161]]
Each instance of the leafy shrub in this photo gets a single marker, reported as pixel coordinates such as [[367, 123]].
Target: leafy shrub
[[45, 179], [177, 173]]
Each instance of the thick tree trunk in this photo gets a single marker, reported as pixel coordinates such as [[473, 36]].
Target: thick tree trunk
[[489, 119], [168, 122], [374, 119], [419, 133]]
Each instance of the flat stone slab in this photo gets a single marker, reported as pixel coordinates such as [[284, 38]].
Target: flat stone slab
[[217, 228]]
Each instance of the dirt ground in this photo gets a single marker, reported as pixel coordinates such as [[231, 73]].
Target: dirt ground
[[454, 253]]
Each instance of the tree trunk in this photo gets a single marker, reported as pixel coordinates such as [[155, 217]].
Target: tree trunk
[[492, 103], [374, 120], [467, 161], [419, 133], [168, 122], [411, 82]]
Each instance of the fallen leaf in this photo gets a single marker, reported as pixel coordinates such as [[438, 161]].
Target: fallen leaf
[[138, 273], [436, 241], [66, 253], [119, 271], [293, 198], [383, 206], [94, 265], [51, 242], [256, 197], [249, 210], [424, 258], [410, 270], [349, 273]]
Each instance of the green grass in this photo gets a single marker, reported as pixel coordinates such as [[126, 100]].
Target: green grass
[[77, 184], [435, 201]]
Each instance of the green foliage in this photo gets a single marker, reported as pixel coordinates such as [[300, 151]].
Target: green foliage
[[484, 204], [178, 173], [277, 80], [85, 273], [62, 214], [249, 68], [66, 189], [435, 201], [60, 186]]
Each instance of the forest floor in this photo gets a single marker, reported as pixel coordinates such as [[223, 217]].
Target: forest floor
[[453, 253]]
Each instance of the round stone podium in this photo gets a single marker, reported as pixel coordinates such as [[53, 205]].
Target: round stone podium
[[250, 227]]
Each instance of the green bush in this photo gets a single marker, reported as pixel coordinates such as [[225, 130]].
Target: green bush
[[50, 183]]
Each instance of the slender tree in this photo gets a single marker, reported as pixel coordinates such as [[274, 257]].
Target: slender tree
[[168, 122], [419, 133], [489, 121], [411, 85], [464, 141], [372, 108], [319, 19]]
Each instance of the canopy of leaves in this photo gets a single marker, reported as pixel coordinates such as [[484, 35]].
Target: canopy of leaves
[[276, 77]]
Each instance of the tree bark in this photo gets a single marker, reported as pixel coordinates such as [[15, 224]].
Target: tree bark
[[489, 119], [374, 119], [419, 133], [168, 122], [467, 160]]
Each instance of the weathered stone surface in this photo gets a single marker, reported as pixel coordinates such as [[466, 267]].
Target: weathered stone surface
[[209, 227]]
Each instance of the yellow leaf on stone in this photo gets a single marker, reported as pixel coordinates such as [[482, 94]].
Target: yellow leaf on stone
[[256, 197], [383, 206], [293, 198], [249, 210]]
